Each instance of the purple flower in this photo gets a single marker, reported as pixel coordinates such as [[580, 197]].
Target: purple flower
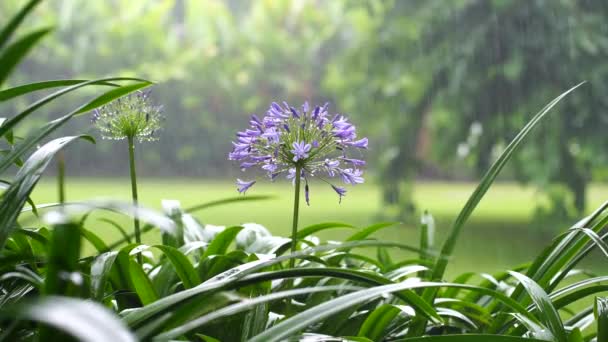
[[309, 138], [355, 162], [340, 191], [359, 143], [243, 186], [350, 176], [300, 150]]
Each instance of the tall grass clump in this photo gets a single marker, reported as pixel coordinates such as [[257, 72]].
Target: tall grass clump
[[242, 283]]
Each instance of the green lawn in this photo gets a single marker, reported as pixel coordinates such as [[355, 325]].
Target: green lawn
[[499, 234]]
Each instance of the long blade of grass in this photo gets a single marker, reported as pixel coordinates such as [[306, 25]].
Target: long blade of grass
[[367, 231], [10, 57], [304, 232], [14, 198], [228, 201], [548, 313], [486, 182], [13, 24], [10, 93]]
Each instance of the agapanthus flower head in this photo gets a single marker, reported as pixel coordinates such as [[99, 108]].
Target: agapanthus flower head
[[132, 116], [310, 139]]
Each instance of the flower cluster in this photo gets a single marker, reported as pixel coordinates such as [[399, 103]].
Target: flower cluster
[[132, 116], [309, 139]]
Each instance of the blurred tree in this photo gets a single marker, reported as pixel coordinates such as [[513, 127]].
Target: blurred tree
[[437, 85], [482, 69], [216, 62]]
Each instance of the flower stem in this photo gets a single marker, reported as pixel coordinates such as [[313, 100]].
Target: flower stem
[[61, 176], [296, 208], [134, 192]]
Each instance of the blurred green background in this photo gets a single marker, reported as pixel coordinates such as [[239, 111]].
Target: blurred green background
[[439, 87]]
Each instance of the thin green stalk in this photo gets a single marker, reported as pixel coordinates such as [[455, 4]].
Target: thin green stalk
[[296, 209], [134, 192], [61, 176]]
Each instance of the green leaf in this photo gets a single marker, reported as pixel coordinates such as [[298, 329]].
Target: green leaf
[[10, 57], [601, 314], [367, 231], [85, 320], [548, 313], [62, 276], [118, 227], [304, 232], [576, 336], [100, 272], [10, 93], [141, 283], [182, 266], [603, 246], [376, 323], [95, 240], [13, 24], [222, 241], [228, 201], [111, 95], [14, 198]]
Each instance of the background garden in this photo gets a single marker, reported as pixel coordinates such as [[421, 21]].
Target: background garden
[[440, 88]]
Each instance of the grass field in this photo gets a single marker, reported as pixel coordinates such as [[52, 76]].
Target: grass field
[[499, 230]]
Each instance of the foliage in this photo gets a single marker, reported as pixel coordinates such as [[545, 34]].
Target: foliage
[[206, 283], [463, 90]]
